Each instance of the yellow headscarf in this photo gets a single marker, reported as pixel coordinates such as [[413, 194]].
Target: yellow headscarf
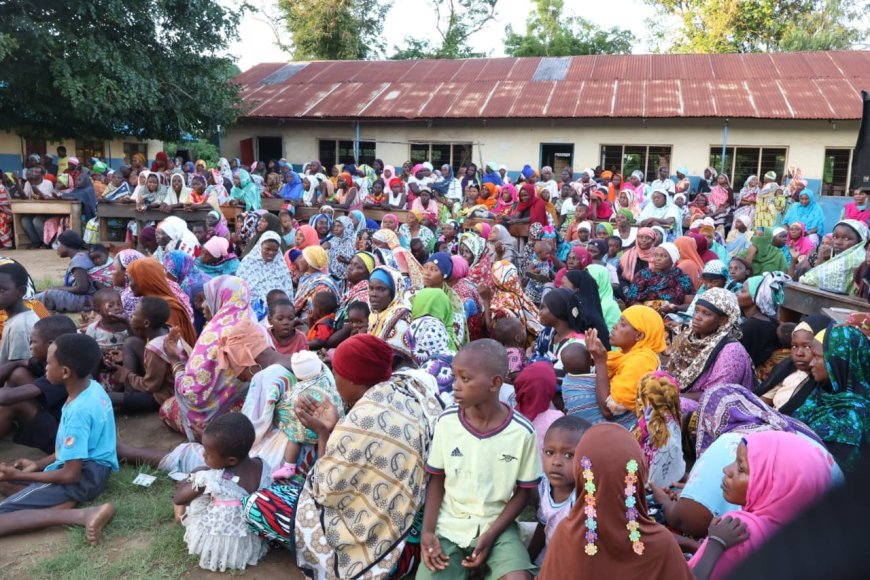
[[625, 369]]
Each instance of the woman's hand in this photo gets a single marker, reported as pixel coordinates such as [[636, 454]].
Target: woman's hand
[[595, 347], [319, 416], [499, 250], [730, 530], [484, 292]]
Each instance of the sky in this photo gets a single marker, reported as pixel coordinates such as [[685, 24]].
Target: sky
[[257, 40]]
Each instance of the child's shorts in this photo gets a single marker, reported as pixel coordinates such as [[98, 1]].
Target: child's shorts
[[508, 554], [37, 496]]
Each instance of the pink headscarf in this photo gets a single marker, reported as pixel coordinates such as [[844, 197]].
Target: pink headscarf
[[804, 245], [505, 207], [460, 268], [786, 473], [217, 246], [483, 229]]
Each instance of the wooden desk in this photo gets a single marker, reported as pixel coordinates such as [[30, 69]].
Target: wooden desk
[[800, 299], [516, 230], [54, 207], [378, 214], [106, 211]]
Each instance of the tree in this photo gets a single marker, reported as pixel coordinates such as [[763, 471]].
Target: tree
[[714, 26], [334, 29], [456, 21], [551, 33], [826, 29], [102, 68]]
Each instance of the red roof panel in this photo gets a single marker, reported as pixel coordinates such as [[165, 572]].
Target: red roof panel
[[820, 85]]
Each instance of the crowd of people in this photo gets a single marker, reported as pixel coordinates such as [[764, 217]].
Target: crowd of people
[[387, 399]]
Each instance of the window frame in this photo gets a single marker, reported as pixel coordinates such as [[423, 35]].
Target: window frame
[[141, 147], [339, 145], [731, 155], [460, 152], [85, 150], [846, 186], [650, 173]]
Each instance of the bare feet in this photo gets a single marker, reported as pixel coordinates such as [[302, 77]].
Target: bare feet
[[96, 519]]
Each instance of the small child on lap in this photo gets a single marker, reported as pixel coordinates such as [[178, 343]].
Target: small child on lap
[[282, 328], [323, 307], [483, 462]]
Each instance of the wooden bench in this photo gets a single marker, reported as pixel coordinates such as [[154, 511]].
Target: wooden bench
[[106, 211], [800, 299], [53, 207], [516, 230]]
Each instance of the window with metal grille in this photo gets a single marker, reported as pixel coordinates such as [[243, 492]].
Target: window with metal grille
[[131, 149], [836, 172], [453, 154], [739, 163], [334, 152], [625, 159], [87, 148]]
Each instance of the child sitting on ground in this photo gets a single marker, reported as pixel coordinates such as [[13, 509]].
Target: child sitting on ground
[[15, 341], [271, 298], [282, 320], [215, 527], [146, 392], [315, 381], [33, 408], [539, 271], [78, 470], [465, 525], [101, 274], [110, 331], [323, 307], [658, 428], [557, 491]]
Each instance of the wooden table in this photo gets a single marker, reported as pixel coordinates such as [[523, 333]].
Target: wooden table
[[516, 230], [800, 299], [106, 211], [54, 207]]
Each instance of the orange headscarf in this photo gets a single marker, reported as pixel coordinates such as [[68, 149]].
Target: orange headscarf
[[690, 261], [490, 201], [150, 278]]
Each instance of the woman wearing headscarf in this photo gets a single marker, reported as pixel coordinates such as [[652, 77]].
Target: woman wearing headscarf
[[763, 481], [473, 248], [148, 278], [763, 255], [618, 543], [809, 213], [660, 211], [390, 315], [306, 236], [838, 410], [175, 235], [507, 201], [245, 191], [436, 272], [341, 247], [708, 352], [414, 229], [565, 322], [264, 272], [348, 486], [75, 294], [746, 199], [508, 299], [468, 295], [407, 263], [84, 192], [500, 238], [800, 245], [639, 256], [431, 328], [759, 300], [531, 209], [311, 266], [610, 393], [837, 274], [121, 280], [181, 268], [266, 222], [740, 236], [627, 200], [609, 307], [356, 286], [690, 262], [663, 284], [216, 258], [535, 388]]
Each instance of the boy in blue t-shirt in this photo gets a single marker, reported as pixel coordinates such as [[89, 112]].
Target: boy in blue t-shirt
[[84, 451]]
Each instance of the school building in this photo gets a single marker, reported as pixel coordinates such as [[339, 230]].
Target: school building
[[14, 149], [741, 113]]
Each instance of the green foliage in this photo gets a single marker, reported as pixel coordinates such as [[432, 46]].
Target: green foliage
[[335, 29], [456, 22], [101, 68], [717, 26], [549, 32], [199, 149]]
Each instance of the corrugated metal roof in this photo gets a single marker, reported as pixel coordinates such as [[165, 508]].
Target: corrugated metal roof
[[811, 85]]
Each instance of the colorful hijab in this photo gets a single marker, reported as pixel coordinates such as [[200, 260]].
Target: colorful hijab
[[435, 303], [629, 258], [510, 300], [535, 388], [150, 278], [481, 266], [183, 268], [804, 245], [408, 264], [536, 206], [262, 277], [383, 324], [506, 207], [625, 369], [341, 247], [180, 238], [609, 307], [247, 191], [273, 224], [837, 273], [811, 215], [619, 539], [128, 299], [777, 491], [309, 237]]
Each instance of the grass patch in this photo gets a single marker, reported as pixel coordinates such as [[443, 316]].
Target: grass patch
[[141, 541], [46, 282]]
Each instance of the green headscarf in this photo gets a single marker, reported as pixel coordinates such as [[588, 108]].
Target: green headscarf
[[435, 302], [609, 307], [247, 191], [607, 227], [767, 257]]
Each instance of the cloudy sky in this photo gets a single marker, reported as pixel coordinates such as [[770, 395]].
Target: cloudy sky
[[257, 44]]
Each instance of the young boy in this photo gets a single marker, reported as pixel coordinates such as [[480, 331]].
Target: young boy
[[539, 271], [15, 342], [323, 307], [272, 297], [483, 462], [33, 408], [44, 491], [557, 491], [146, 392], [282, 320]]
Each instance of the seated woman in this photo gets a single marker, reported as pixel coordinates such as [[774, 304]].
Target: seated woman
[[759, 299], [608, 462], [398, 257], [75, 294], [708, 352], [181, 268], [473, 248], [349, 486], [762, 480], [658, 428], [172, 234], [311, 265], [264, 272], [837, 274], [790, 382], [611, 394], [340, 248], [431, 338], [800, 245], [356, 289], [460, 282], [436, 271], [838, 410], [565, 321], [663, 283], [216, 258], [148, 278], [690, 262], [858, 209], [661, 212], [245, 192], [507, 299], [637, 257], [390, 311], [763, 254], [414, 229]]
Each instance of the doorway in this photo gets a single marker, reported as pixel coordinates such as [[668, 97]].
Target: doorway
[[270, 148], [557, 155]]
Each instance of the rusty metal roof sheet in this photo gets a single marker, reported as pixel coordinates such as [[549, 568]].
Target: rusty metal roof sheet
[[811, 85]]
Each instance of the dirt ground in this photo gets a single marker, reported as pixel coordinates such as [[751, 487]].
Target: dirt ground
[[40, 263]]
